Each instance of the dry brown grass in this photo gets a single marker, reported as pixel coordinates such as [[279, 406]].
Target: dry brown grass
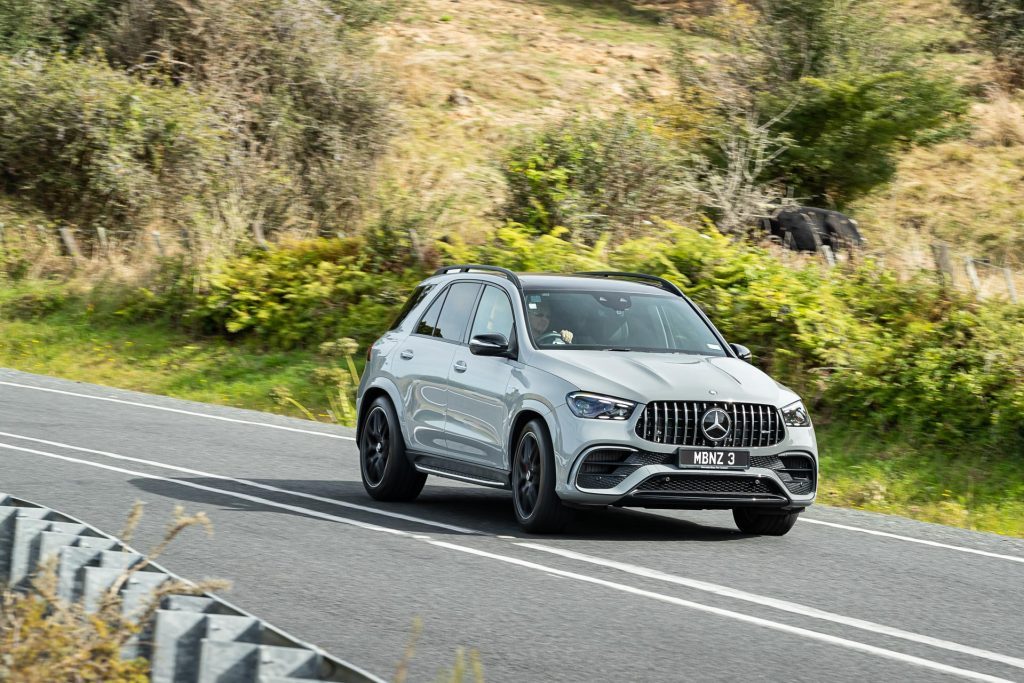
[[522, 64], [999, 122]]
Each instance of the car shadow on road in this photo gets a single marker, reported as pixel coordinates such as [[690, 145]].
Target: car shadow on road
[[488, 511]]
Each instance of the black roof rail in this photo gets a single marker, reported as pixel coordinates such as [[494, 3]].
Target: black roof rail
[[467, 267], [653, 279]]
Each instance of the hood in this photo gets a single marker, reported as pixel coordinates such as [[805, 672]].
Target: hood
[[644, 377]]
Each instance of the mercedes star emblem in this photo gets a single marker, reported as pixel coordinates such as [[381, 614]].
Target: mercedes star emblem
[[716, 424]]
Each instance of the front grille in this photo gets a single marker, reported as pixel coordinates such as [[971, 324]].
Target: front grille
[[750, 486], [753, 425]]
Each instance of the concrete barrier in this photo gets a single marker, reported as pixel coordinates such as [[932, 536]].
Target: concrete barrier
[[189, 639]]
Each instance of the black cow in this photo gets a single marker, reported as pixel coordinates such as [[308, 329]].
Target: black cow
[[805, 228]]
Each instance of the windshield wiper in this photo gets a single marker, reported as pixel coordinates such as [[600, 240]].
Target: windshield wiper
[[617, 348]]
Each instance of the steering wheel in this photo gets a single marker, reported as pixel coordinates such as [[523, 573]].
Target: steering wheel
[[550, 338]]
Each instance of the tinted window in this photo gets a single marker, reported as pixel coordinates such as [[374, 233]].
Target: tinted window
[[428, 323], [564, 319], [417, 297], [494, 315], [458, 306]]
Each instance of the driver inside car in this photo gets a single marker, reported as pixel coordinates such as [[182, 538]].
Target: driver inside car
[[540, 325]]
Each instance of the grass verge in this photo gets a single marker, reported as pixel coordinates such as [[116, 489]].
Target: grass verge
[[966, 489]]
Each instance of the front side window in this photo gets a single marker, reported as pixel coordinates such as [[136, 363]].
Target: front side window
[[655, 322], [458, 307], [494, 314]]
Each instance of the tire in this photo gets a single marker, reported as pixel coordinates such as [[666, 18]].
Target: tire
[[386, 471], [754, 521], [538, 508]]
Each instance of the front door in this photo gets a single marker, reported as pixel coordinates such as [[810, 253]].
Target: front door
[[478, 416]]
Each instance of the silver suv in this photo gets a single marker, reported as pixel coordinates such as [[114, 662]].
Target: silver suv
[[578, 391]]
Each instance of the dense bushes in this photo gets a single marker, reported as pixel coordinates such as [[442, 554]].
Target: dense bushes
[[594, 177], [840, 91], [1002, 25], [301, 294], [227, 119], [94, 146]]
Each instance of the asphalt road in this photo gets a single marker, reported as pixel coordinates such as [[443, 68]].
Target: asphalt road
[[622, 596]]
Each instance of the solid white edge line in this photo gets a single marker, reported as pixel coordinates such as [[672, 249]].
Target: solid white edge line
[[784, 605], [180, 411], [248, 482], [910, 539], [192, 485], [757, 621], [726, 591]]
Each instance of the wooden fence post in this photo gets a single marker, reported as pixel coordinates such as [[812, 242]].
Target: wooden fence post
[[158, 243], [68, 237], [972, 274], [101, 235], [1011, 287], [943, 264]]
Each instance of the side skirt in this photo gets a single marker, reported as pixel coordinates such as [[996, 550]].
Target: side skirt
[[461, 471]]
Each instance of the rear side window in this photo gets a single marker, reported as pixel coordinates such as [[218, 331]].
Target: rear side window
[[458, 307], [494, 314], [428, 323], [413, 301]]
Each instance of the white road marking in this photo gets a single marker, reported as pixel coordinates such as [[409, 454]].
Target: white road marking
[[783, 605], [739, 616], [233, 494], [910, 539], [552, 571], [248, 482], [805, 520], [192, 413]]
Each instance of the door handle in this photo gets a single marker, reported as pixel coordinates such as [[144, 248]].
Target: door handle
[[460, 366], [407, 354]]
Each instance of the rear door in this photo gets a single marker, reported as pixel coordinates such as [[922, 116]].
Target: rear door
[[422, 363], [478, 415]]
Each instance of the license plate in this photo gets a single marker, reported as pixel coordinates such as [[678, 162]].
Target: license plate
[[713, 459]]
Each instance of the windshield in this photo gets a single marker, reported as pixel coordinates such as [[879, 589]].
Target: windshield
[[619, 321]]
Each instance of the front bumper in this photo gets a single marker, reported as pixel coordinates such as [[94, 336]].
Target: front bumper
[[652, 479]]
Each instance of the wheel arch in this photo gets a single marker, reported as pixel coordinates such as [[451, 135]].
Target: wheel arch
[[525, 415], [372, 393]]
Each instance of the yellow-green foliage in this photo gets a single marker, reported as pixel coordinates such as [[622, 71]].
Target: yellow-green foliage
[[300, 295]]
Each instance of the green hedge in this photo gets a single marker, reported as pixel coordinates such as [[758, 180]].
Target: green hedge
[[856, 341]]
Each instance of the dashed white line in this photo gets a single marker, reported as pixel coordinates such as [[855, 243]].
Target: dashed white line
[[192, 413], [552, 571], [249, 482]]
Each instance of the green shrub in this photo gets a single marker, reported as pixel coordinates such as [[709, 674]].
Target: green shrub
[[1002, 27], [301, 294], [595, 177], [841, 91], [94, 146]]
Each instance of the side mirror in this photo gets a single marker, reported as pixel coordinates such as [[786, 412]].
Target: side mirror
[[742, 351], [489, 345]]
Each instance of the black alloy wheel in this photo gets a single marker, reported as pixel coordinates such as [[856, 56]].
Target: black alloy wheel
[[538, 508], [386, 471], [376, 444], [528, 481]]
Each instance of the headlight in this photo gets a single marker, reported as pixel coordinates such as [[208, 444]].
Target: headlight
[[599, 407], [795, 415]]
